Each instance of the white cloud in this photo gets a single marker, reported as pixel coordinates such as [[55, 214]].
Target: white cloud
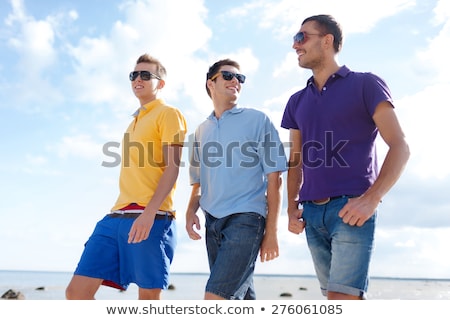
[[286, 66], [442, 11], [38, 165], [420, 253], [36, 160], [433, 56], [406, 244], [284, 17], [34, 44], [78, 146], [34, 40], [102, 62], [18, 12], [425, 125]]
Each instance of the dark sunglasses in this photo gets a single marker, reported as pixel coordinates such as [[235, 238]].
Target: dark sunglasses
[[227, 75], [301, 37], [145, 75]]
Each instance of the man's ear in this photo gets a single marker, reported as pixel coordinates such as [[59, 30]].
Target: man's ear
[[209, 84], [329, 40], [161, 84]]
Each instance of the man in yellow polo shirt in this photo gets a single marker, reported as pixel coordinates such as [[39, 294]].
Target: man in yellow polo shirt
[[135, 242]]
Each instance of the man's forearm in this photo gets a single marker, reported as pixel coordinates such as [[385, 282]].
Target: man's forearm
[[273, 201]]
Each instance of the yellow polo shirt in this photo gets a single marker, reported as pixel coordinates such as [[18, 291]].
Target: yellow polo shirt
[[155, 124]]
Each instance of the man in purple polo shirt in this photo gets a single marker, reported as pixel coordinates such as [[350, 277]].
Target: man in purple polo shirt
[[333, 171]]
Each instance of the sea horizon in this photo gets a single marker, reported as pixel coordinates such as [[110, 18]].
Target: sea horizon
[[291, 275], [50, 285]]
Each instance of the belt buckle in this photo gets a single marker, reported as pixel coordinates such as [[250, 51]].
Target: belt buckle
[[322, 201]]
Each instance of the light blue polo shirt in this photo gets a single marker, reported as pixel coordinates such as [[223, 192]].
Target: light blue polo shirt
[[231, 158]]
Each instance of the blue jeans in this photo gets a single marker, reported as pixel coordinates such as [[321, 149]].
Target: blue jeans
[[341, 253], [233, 244]]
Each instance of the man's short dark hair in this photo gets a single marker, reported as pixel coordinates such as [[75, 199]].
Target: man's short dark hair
[[216, 67], [160, 69], [328, 25]]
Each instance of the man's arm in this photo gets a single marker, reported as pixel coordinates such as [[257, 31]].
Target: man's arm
[[191, 216], [269, 246], [359, 210], [294, 182], [141, 227]]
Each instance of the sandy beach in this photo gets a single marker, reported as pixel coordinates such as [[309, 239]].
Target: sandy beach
[[191, 287]]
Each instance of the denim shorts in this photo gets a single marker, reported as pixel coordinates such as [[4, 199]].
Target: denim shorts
[[108, 255], [233, 244], [341, 253]]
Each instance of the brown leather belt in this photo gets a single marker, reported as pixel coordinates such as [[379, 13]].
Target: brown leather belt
[[321, 202], [134, 213]]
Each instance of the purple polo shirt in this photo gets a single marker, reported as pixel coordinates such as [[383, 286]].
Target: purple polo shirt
[[338, 133]]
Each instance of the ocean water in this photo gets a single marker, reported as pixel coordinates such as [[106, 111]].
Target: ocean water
[[40, 285]]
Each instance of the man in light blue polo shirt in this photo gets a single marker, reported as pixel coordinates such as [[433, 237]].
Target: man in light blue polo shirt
[[235, 172]]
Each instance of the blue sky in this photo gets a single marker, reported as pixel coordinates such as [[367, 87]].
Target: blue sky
[[64, 93]]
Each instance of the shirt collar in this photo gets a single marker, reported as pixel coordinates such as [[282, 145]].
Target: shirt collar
[[342, 72], [233, 110], [147, 107]]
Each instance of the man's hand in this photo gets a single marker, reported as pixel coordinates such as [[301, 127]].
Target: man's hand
[[140, 230], [191, 221], [296, 224], [269, 247], [358, 210]]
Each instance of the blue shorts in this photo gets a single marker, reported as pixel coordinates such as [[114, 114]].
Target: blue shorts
[[341, 253], [108, 255], [233, 244]]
